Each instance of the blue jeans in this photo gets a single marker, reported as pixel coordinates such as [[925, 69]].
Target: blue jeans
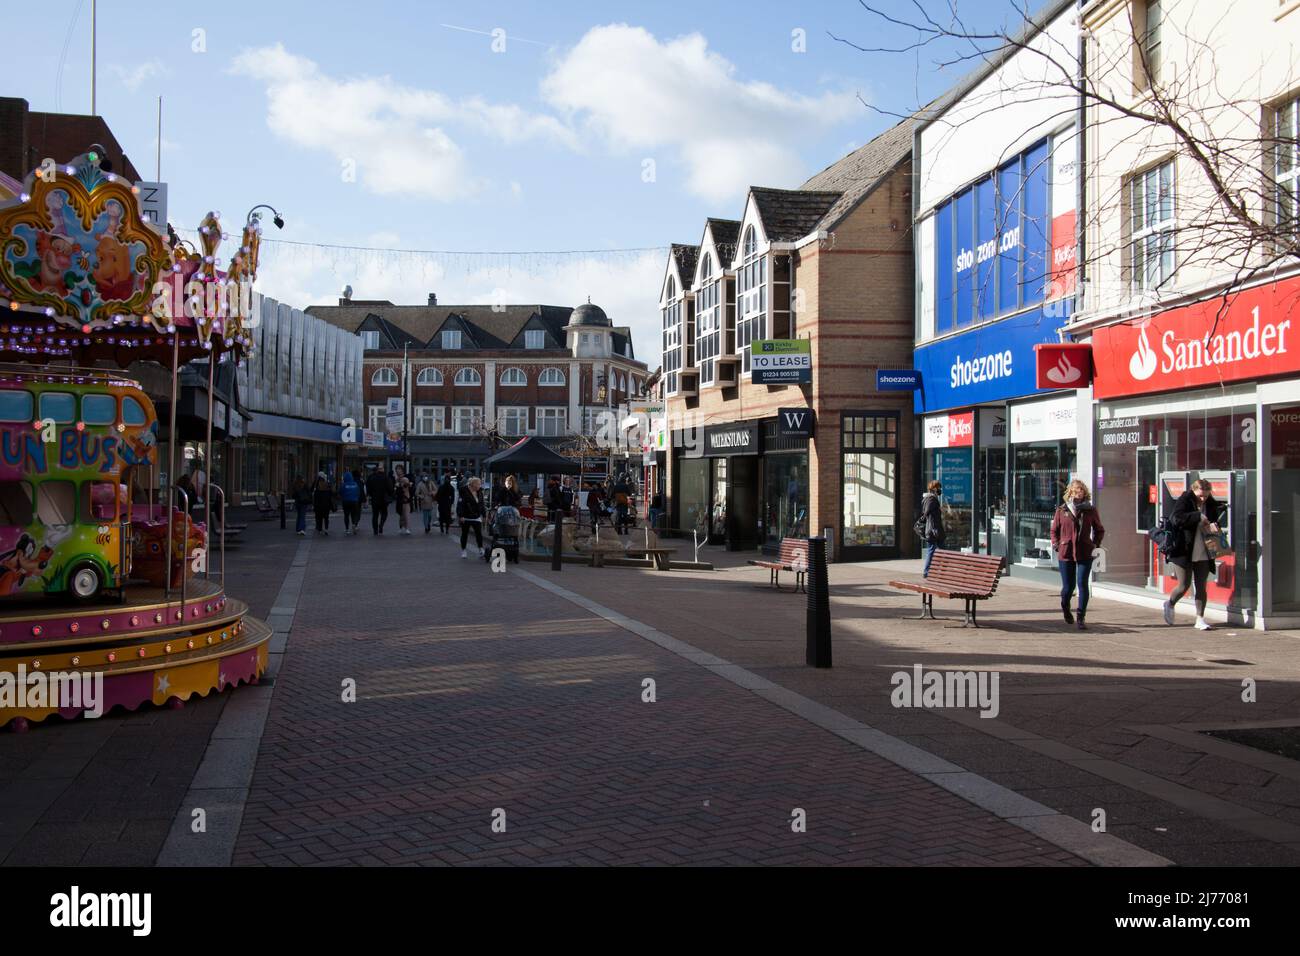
[[302, 516], [929, 551], [1073, 572]]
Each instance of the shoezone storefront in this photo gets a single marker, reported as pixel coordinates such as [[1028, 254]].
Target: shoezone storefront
[[1208, 390], [1003, 448]]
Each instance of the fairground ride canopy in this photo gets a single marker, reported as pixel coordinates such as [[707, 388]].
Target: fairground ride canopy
[[85, 276]]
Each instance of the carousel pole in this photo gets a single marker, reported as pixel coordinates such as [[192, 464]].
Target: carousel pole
[[207, 468], [171, 460]]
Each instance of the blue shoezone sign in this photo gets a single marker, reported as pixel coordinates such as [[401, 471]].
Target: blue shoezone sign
[[897, 379]]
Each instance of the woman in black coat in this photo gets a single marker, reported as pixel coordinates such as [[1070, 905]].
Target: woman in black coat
[[445, 497], [1195, 514]]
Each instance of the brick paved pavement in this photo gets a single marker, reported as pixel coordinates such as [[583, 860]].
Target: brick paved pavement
[[480, 691], [105, 792], [1091, 720]]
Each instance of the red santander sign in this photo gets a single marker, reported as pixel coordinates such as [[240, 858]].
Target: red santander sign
[[1065, 365], [1257, 335]]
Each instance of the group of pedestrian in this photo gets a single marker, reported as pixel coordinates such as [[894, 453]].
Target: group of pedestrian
[[383, 491], [1077, 532]]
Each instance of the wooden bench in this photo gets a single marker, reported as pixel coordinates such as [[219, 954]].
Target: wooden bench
[[660, 556], [793, 556], [971, 577], [264, 509]]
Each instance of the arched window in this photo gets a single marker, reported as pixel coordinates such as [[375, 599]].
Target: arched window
[[469, 376], [672, 289], [429, 376], [751, 242], [551, 376], [514, 376], [706, 267], [384, 376]]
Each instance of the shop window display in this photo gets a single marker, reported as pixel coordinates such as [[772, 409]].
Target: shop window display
[[1145, 460], [785, 497], [951, 467], [1040, 472], [869, 469]]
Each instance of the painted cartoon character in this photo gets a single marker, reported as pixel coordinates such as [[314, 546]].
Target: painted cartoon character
[[137, 449], [22, 562], [54, 261], [112, 274]]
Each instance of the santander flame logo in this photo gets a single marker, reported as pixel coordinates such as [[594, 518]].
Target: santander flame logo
[[1063, 373], [1143, 363]]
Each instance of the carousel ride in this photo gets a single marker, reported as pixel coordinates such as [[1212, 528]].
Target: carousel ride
[[108, 593]]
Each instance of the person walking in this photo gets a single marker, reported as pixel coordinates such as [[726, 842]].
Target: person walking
[[510, 494], [350, 496], [596, 504], [301, 501], [469, 509], [622, 504], [932, 524], [1196, 514], [445, 497], [1076, 533], [377, 492], [403, 498], [323, 503], [656, 509], [424, 499]]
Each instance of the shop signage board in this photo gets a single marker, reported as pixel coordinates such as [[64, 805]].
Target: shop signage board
[[795, 422], [1256, 334], [897, 380], [989, 364], [781, 362], [733, 439], [1063, 365], [956, 430], [1053, 420], [153, 204], [371, 439]]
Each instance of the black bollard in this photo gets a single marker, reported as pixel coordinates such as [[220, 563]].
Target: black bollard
[[819, 606], [557, 548], [282, 516]]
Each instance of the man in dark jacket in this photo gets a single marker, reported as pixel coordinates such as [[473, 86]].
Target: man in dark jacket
[[932, 516], [446, 498], [377, 490], [1196, 514]]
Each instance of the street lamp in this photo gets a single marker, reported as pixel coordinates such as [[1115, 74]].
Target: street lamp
[[254, 215]]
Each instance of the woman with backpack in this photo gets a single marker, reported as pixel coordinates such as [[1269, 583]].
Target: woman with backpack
[[1195, 515], [1076, 534], [929, 527]]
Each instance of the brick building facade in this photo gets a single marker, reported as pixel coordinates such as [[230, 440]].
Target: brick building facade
[[830, 263]]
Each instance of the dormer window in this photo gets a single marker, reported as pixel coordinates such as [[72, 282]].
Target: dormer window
[[708, 322], [451, 339], [369, 340], [751, 297], [535, 339], [383, 376]]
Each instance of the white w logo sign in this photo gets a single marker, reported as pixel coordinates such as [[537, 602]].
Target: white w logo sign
[[795, 419]]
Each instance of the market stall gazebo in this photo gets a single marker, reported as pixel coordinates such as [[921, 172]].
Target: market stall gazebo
[[528, 455]]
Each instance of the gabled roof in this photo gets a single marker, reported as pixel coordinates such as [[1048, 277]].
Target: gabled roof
[[858, 173], [390, 336], [790, 214], [726, 232], [489, 329], [685, 256]]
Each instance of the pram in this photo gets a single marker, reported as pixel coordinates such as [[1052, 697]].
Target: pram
[[504, 534]]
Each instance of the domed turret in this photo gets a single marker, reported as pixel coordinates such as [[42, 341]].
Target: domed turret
[[590, 315]]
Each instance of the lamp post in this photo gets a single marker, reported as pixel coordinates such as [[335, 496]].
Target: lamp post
[[254, 215]]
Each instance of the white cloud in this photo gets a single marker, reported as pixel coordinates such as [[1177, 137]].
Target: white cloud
[[625, 286], [640, 93], [134, 77], [395, 135]]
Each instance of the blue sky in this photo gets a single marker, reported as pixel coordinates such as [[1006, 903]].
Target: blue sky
[[394, 124]]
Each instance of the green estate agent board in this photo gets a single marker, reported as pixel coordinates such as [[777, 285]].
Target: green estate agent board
[[781, 361]]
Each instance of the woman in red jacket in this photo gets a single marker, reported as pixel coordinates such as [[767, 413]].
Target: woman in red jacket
[[1076, 534]]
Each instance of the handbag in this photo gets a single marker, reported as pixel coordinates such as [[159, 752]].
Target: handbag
[[1216, 545]]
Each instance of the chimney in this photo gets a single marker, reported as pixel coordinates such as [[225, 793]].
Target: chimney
[[433, 298]]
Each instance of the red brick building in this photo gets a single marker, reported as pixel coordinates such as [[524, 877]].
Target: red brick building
[[27, 138], [555, 372], [830, 262]]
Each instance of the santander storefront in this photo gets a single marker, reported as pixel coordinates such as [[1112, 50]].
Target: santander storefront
[[1208, 390]]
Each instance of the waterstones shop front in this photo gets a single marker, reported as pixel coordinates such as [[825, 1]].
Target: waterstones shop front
[[1003, 448], [742, 484]]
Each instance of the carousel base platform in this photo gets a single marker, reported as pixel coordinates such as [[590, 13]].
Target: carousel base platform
[[69, 660]]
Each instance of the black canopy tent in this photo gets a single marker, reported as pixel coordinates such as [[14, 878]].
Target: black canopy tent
[[530, 456]]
